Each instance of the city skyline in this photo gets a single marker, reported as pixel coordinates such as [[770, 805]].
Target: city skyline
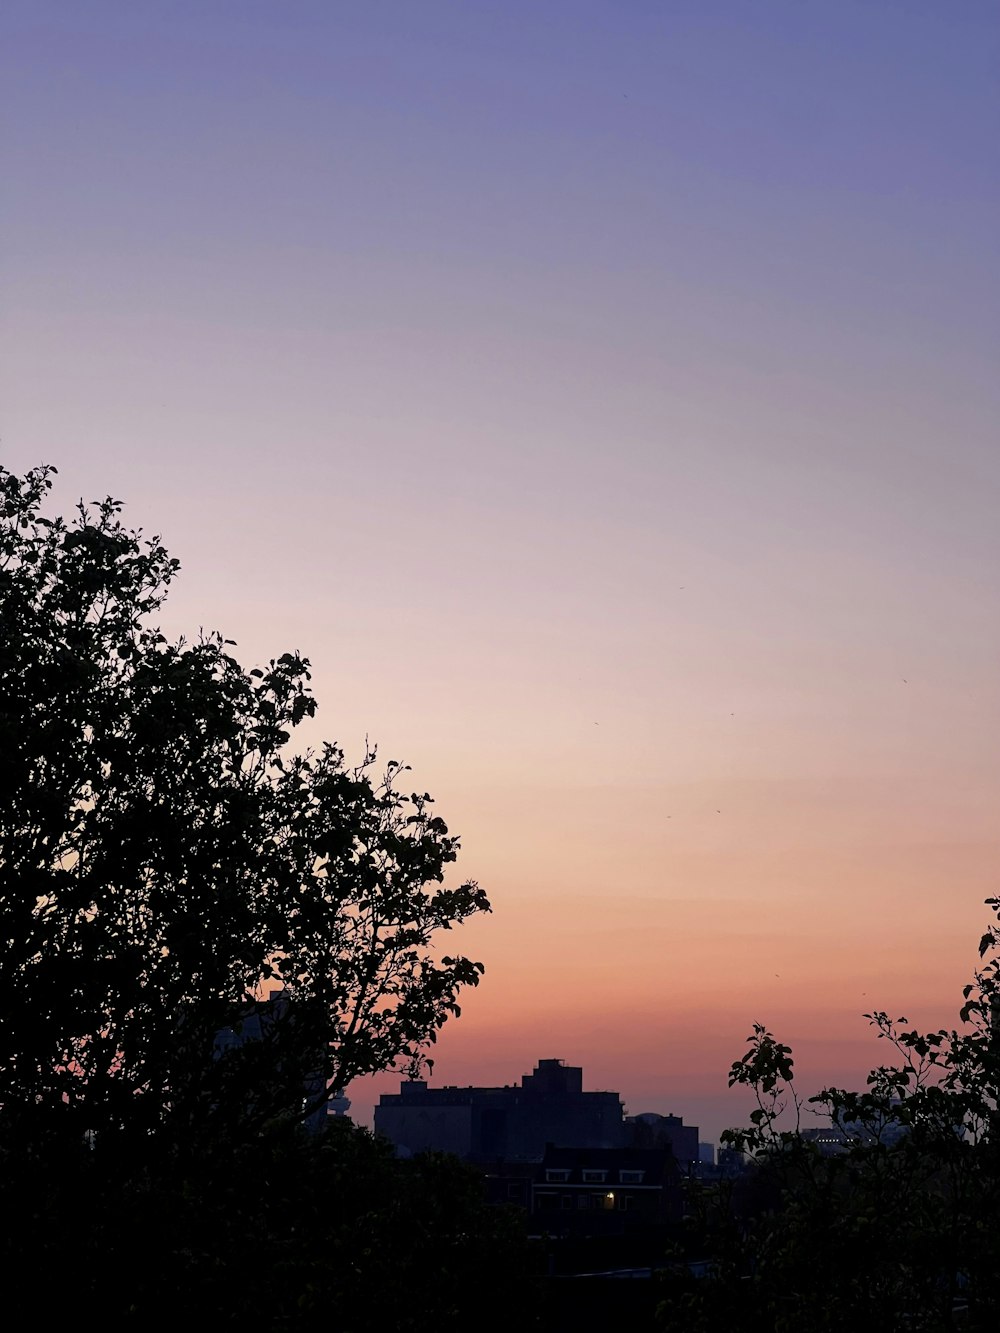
[[603, 398]]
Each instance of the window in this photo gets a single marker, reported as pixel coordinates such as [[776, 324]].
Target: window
[[631, 1177], [554, 1177], [594, 1177]]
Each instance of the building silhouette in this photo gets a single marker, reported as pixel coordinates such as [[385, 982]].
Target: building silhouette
[[520, 1122], [512, 1123], [650, 1130]]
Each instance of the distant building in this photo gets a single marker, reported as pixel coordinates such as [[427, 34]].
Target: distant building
[[706, 1154], [338, 1103], [829, 1140], [731, 1162], [259, 1022], [605, 1191], [842, 1133], [651, 1130], [513, 1123]]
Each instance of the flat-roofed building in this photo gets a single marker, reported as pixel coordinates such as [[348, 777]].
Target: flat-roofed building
[[512, 1123]]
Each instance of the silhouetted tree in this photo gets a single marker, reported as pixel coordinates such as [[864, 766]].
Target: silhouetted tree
[[897, 1225], [164, 856]]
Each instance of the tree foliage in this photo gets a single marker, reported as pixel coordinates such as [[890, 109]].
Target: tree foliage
[[165, 854], [283, 1230], [896, 1224]]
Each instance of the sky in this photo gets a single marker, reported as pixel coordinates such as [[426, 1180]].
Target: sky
[[603, 395]]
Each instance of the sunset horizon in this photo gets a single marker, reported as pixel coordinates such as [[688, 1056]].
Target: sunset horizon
[[603, 399]]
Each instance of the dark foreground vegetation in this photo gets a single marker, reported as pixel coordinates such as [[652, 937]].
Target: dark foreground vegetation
[[167, 861], [285, 1231], [890, 1219]]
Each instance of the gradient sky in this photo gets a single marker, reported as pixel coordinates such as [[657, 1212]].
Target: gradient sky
[[604, 396]]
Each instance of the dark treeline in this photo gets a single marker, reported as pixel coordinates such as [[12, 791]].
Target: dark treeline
[[285, 1231]]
